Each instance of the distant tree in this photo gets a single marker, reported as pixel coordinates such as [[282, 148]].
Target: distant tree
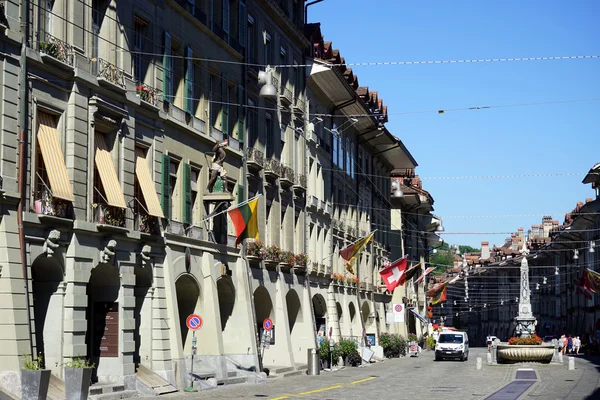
[[440, 259], [468, 249]]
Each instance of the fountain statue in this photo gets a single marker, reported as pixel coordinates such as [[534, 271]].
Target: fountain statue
[[525, 322]]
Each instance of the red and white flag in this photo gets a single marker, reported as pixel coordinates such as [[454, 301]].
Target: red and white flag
[[392, 274], [427, 271]]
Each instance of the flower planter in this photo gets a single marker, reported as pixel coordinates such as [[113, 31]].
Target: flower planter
[[525, 353], [285, 267], [34, 384], [77, 383], [253, 259], [299, 269], [271, 264]]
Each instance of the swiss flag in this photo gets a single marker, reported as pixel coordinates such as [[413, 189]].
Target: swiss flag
[[392, 274]]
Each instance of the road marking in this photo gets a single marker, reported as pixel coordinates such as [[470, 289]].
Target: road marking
[[362, 380], [287, 396]]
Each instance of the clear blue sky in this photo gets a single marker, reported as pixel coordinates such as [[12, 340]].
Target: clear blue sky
[[559, 138]]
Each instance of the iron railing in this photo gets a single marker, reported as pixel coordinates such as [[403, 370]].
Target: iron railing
[[59, 49], [303, 181], [255, 156], [111, 73], [288, 174], [273, 166], [109, 215], [146, 223], [148, 94]]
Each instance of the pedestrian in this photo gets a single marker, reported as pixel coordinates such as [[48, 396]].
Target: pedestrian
[[570, 345], [561, 344], [577, 344], [489, 342]]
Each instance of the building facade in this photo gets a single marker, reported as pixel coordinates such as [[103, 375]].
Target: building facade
[[124, 233]]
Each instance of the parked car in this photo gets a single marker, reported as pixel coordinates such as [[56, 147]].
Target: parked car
[[452, 345]]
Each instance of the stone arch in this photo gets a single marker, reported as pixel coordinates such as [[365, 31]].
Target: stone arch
[[320, 312], [340, 313], [187, 290], [263, 306], [103, 317], [351, 311], [294, 308], [47, 275], [365, 311], [226, 292]]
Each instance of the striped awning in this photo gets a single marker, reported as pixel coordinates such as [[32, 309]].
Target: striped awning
[[48, 140], [419, 316], [147, 184], [108, 175]]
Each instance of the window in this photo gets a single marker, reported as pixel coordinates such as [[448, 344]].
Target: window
[[283, 61], [169, 195], [348, 156], [189, 81], [268, 214], [283, 230], [252, 127], [269, 136], [335, 150], [268, 51], [242, 19], [225, 104], [173, 192], [45, 22], [194, 178], [352, 166], [225, 18], [140, 205], [251, 39], [139, 32], [297, 162], [340, 153], [167, 70], [297, 78]]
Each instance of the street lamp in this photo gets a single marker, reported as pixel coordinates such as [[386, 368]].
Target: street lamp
[[592, 246], [268, 90], [396, 190]]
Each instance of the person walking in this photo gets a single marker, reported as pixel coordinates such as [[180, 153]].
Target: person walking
[[577, 345], [562, 344], [570, 345], [489, 342]]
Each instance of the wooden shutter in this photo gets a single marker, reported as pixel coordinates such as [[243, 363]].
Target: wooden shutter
[[187, 194], [167, 71], [243, 20], [189, 81], [166, 186], [240, 100], [225, 105]]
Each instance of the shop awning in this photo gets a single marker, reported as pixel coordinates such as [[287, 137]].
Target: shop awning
[[108, 175], [147, 184], [422, 318], [48, 140]]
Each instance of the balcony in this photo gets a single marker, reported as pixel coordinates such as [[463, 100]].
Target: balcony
[[111, 74], [328, 209], [148, 94], [216, 134], [175, 228], [288, 177], [286, 96], [52, 207], [254, 159], [299, 106], [313, 202], [57, 49], [272, 168], [109, 215], [146, 223], [300, 185], [195, 232], [322, 206]]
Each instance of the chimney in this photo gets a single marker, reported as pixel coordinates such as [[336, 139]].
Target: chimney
[[589, 200], [521, 233], [535, 231], [547, 225], [485, 250]]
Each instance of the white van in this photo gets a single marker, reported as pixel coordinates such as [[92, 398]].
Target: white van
[[452, 345]]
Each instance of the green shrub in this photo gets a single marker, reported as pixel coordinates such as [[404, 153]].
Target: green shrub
[[393, 345], [412, 337], [34, 365], [430, 342], [348, 346], [354, 359], [79, 362], [325, 355]]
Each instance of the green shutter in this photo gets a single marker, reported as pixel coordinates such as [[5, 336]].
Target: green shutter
[[189, 82], [225, 105], [240, 100], [240, 193], [187, 194], [243, 20], [166, 186], [167, 70]]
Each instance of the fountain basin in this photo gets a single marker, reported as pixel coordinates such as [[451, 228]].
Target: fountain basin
[[525, 353]]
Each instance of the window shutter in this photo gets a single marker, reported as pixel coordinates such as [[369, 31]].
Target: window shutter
[[240, 193], [226, 16], [187, 194], [240, 100], [167, 71], [166, 186], [243, 20], [189, 81], [225, 105]]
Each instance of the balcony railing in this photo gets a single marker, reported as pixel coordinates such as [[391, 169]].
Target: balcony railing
[[58, 49], [287, 175], [313, 202], [111, 73], [286, 95], [328, 208], [146, 223], [255, 159], [54, 207], [175, 228], [109, 215], [272, 168], [195, 232], [300, 105], [303, 181], [216, 134], [148, 94]]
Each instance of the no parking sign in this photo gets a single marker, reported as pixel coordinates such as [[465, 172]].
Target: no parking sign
[[399, 312], [194, 322]]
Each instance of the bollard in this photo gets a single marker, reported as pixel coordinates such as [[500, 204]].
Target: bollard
[[571, 363], [560, 357], [478, 363], [489, 358], [314, 362], [495, 354]]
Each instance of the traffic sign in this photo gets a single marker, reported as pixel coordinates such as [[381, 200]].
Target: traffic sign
[[194, 322], [268, 324], [398, 308]]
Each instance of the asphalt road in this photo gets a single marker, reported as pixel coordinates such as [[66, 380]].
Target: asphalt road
[[421, 378]]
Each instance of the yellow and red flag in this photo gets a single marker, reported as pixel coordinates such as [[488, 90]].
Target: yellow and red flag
[[350, 253], [437, 294]]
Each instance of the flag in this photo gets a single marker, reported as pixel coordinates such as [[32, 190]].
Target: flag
[[585, 291], [392, 274], [591, 280], [427, 271], [349, 253], [409, 274], [245, 221], [437, 294]]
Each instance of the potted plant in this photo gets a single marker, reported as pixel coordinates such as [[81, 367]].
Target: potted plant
[[287, 257], [255, 250], [34, 379], [273, 253], [301, 260], [143, 92], [78, 375]]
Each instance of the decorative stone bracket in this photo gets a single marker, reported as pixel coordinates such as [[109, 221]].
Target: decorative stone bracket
[[50, 244], [107, 255], [145, 254]]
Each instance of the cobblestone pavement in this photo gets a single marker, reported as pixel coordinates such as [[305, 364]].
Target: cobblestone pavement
[[420, 378]]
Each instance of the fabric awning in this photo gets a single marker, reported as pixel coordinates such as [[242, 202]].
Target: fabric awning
[[142, 172], [54, 160], [108, 175], [422, 318]]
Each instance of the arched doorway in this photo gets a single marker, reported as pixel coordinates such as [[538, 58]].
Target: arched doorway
[[366, 311], [47, 274], [188, 302], [143, 316], [103, 335], [263, 306], [226, 292], [320, 311], [293, 308], [352, 312], [340, 313]]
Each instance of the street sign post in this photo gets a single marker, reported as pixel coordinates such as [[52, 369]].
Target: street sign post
[[268, 324], [193, 322]]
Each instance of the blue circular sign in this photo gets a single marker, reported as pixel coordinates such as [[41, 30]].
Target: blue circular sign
[[194, 322]]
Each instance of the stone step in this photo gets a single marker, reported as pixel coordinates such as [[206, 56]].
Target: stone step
[[294, 373], [98, 389], [279, 370], [124, 394], [231, 381]]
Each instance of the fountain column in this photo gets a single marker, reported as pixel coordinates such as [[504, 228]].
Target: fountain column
[[525, 321]]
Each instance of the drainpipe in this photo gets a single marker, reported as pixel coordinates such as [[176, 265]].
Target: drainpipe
[[23, 119]]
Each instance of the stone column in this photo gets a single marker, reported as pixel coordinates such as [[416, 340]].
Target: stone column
[[525, 320], [127, 323], [332, 314]]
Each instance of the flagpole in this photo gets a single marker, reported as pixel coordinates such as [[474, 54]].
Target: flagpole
[[243, 203]]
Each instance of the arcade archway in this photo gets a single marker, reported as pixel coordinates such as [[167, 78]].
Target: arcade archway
[[188, 302]]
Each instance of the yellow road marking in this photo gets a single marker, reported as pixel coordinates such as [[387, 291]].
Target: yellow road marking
[[362, 380], [287, 396]]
